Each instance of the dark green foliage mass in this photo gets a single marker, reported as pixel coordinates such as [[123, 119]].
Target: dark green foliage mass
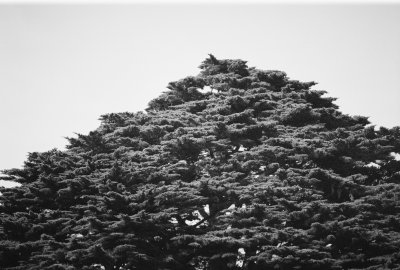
[[258, 172]]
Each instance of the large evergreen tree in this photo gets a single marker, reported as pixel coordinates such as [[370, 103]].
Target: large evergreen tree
[[236, 168]]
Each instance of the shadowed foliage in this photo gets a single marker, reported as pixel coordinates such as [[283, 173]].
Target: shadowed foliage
[[236, 168]]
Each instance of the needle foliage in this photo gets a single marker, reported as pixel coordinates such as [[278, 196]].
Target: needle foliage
[[235, 168]]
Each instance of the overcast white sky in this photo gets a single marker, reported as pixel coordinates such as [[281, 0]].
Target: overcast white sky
[[63, 66]]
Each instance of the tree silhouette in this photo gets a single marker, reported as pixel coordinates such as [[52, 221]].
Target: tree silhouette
[[260, 172]]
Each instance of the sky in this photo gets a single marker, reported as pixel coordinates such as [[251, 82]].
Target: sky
[[64, 65]]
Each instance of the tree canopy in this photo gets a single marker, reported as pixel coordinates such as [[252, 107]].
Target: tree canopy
[[235, 168]]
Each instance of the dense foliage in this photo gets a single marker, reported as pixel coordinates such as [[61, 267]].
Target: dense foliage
[[236, 168]]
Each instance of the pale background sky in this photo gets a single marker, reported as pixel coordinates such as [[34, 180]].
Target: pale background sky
[[63, 66]]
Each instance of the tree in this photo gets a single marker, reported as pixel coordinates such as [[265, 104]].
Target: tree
[[260, 173]]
